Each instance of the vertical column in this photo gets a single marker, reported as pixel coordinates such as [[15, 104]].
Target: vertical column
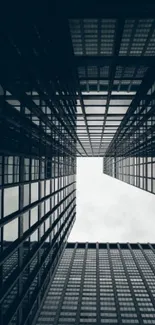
[[20, 218], [114, 286], [97, 284], [115, 166], [1, 232], [81, 287], [65, 287], [2, 106], [20, 232], [39, 212], [130, 285]]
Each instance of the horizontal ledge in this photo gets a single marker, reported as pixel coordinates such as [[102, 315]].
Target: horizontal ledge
[[84, 96], [94, 60]]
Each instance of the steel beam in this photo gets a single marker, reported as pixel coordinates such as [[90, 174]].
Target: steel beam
[[101, 61]]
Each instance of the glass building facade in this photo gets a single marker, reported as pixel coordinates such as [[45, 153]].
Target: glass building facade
[[130, 156], [74, 81], [37, 176], [102, 284]]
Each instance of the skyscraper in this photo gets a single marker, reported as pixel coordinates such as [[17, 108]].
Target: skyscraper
[[37, 168], [102, 284], [75, 80]]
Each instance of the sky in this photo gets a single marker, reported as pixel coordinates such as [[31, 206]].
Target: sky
[[110, 210]]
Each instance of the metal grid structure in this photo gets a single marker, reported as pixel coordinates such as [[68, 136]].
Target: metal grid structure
[[37, 169], [102, 283], [112, 57], [130, 156], [71, 84]]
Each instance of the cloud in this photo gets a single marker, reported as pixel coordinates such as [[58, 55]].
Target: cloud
[[110, 210]]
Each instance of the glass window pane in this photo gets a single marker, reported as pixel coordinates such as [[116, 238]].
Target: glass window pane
[[34, 192], [11, 230], [11, 200]]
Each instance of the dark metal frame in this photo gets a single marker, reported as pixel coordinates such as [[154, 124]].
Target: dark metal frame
[[75, 83], [118, 273]]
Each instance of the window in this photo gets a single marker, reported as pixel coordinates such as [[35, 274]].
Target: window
[[11, 200]]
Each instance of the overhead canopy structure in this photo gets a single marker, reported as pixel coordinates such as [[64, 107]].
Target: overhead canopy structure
[[112, 57], [92, 60]]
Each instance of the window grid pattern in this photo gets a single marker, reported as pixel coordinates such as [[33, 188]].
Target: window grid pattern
[[130, 158], [37, 197], [118, 277], [56, 105], [107, 88], [48, 215]]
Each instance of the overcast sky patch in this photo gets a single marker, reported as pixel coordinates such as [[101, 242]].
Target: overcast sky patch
[[110, 210]]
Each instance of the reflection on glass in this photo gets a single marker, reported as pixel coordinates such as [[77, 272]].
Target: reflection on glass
[[11, 200], [11, 230], [34, 192]]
